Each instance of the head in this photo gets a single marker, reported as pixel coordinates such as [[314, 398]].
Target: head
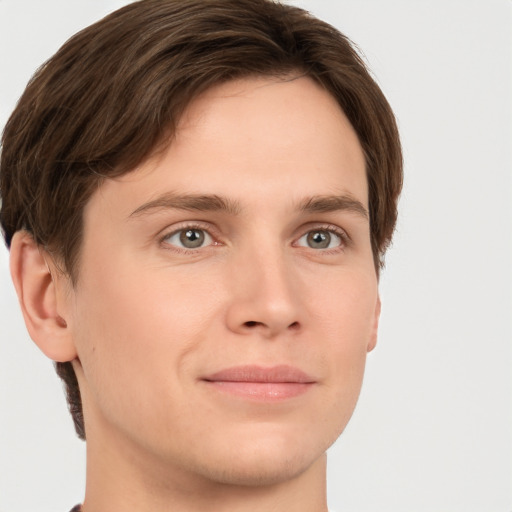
[[103, 124]]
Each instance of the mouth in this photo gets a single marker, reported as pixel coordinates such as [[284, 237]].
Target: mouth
[[261, 383]]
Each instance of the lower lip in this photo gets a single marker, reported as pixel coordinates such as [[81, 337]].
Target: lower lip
[[263, 391]]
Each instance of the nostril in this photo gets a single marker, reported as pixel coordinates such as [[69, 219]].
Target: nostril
[[252, 323]]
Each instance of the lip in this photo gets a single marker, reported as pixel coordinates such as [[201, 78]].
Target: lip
[[254, 382]]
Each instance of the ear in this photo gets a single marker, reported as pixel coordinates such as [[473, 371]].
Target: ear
[[38, 296], [375, 327]]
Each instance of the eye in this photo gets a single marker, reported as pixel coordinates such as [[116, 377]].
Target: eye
[[320, 239], [189, 238]]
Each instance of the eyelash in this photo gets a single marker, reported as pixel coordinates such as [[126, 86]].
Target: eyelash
[[186, 227], [345, 240]]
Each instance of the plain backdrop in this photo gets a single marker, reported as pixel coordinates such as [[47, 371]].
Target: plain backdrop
[[433, 429]]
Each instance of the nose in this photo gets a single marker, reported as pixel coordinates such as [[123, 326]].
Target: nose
[[264, 298]]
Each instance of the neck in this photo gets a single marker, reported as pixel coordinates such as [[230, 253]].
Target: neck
[[119, 480]]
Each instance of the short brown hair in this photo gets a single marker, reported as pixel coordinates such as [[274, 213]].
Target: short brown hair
[[116, 90]]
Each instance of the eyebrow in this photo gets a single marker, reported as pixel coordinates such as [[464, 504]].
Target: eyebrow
[[190, 202], [216, 203], [325, 204]]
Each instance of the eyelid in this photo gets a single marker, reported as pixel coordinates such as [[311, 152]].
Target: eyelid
[[182, 226], [333, 228], [213, 232]]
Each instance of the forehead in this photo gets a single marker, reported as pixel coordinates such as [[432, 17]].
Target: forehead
[[258, 138]]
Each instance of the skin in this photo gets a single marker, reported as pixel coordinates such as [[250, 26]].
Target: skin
[[149, 318]]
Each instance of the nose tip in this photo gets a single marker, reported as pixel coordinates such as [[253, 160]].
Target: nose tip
[[265, 301]]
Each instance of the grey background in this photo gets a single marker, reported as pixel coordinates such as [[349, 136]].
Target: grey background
[[433, 428]]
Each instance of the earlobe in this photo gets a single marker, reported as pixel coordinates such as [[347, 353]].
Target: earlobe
[[375, 327], [38, 297]]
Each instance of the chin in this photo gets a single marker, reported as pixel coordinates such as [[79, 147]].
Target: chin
[[265, 461], [261, 472]]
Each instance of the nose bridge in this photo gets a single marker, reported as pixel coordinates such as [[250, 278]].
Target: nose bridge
[[273, 275], [265, 295]]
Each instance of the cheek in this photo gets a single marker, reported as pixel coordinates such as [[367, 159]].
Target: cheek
[[346, 307], [135, 337], [346, 315]]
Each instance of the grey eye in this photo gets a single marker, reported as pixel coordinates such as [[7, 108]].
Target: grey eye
[[320, 239], [190, 238]]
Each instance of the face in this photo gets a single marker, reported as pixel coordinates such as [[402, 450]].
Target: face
[[227, 294]]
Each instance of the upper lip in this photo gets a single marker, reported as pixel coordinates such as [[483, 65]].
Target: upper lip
[[254, 373]]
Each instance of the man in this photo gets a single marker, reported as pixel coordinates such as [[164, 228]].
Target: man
[[198, 197]]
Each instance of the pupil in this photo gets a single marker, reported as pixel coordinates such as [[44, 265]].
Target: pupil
[[192, 238], [319, 239]]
